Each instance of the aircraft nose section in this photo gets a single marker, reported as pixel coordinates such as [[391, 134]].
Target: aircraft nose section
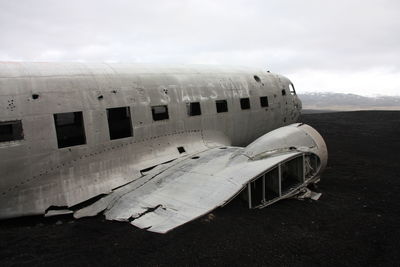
[[320, 148], [298, 104]]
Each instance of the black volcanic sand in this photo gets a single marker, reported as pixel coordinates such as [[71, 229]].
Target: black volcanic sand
[[355, 222]]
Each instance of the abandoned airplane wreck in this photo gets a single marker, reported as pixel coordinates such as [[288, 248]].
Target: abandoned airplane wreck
[[156, 146]]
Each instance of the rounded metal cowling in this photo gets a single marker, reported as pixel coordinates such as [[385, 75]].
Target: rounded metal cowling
[[321, 150]]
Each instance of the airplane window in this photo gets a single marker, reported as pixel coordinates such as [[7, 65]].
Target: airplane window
[[222, 106], [70, 129], [283, 92], [11, 131], [291, 89], [264, 101], [119, 122], [160, 112], [245, 103], [193, 108]]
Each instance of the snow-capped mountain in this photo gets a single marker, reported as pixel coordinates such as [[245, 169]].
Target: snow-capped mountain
[[339, 101]]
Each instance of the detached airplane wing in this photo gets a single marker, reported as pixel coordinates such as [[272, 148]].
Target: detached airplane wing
[[275, 166]]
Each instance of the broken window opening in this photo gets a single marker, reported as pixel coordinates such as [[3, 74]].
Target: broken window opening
[[70, 129], [257, 78], [193, 108], [160, 112], [181, 149], [291, 89], [119, 122], [11, 131], [283, 92], [264, 101], [245, 103], [222, 106]]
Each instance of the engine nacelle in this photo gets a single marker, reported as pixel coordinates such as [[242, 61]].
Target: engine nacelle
[[302, 154]]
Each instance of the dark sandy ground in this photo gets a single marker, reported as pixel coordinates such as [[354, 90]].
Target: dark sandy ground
[[355, 222]]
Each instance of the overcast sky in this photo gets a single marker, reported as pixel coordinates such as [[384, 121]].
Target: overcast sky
[[346, 46]]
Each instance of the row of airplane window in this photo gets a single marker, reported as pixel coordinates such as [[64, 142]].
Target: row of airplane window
[[70, 126]]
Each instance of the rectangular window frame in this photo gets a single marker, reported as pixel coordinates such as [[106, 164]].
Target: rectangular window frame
[[114, 125], [264, 103], [11, 131], [221, 105], [193, 109], [245, 103], [62, 142], [159, 116]]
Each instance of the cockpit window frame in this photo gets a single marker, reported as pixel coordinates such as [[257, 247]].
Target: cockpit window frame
[[292, 90]]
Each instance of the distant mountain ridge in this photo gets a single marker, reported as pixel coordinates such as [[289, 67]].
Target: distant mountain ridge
[[339, 101]]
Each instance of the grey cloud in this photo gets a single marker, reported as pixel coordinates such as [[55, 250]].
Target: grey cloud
[[284, 36]]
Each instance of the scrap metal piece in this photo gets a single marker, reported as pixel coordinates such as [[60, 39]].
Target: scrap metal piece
[[51, 213], [308, 193]]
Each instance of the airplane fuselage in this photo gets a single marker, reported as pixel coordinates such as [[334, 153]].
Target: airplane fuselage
[[72, 131]]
